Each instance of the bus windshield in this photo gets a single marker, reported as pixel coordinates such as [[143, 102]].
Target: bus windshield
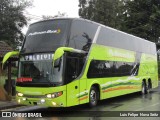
[[46, 36], [39, 73]]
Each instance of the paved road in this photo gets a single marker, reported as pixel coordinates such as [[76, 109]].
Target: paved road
[[106, 108]]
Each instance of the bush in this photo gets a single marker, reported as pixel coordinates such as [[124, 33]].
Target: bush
[[14, 71]]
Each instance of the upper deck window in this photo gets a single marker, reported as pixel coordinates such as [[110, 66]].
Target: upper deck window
[[46, 36], [82, 34]]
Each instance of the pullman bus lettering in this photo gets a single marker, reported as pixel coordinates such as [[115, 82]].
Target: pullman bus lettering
[[81, 64]]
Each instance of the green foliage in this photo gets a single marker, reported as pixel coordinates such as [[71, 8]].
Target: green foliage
[[142, 18], [102, 11], [138, 17], [44, 17], [12, 20], [14, 71]]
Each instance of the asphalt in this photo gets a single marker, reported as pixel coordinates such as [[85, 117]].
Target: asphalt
[[8, 104]]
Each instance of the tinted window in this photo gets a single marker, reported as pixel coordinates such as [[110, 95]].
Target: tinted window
[[123, 69], [82, 34], [100, 69], [46, 36], [115, 38], [73, 69]]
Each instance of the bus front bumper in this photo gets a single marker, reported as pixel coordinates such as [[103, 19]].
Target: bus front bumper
[[40, 101]]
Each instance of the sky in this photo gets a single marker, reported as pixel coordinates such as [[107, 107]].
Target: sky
[[51, 8]]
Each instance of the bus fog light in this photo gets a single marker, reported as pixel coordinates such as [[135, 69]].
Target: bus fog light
[[54, 104], [24, 99], [42, 100], [19, 100]]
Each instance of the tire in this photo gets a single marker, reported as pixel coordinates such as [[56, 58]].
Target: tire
[[144, 88], [149, 86], [93, 97]]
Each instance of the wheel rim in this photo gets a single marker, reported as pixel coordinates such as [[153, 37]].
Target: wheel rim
[[93, 97]]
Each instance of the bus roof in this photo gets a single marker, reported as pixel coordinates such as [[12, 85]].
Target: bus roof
[[115, 38], [65, 18]]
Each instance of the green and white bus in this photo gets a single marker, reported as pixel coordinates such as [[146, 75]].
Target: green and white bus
[[70, 61]]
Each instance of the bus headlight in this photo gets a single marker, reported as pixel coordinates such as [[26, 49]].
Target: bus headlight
[[54, 95], [19, 94]]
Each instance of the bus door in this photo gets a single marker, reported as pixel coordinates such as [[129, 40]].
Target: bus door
[[73, 86]]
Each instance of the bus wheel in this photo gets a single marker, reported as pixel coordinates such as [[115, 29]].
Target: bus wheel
[[149, 85], [93, 97], [144, 88]]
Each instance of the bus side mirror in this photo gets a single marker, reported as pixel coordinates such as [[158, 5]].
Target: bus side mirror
[[8, 55], [60, 51], [57, 62], [58, 54]]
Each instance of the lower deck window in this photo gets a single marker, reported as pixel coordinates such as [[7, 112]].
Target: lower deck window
[[102, 68]]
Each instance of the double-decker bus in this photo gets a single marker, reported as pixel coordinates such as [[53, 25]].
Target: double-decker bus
[[70, 61]]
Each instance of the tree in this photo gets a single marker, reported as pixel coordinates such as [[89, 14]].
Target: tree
[[138, 17], [102, 11], [44, 17], [142, 18], [12, 20]]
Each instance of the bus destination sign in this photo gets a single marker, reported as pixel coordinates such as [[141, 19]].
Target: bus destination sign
[[38, 57]]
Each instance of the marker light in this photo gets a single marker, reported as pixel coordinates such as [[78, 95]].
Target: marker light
[[54, 95], [19, 94]]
